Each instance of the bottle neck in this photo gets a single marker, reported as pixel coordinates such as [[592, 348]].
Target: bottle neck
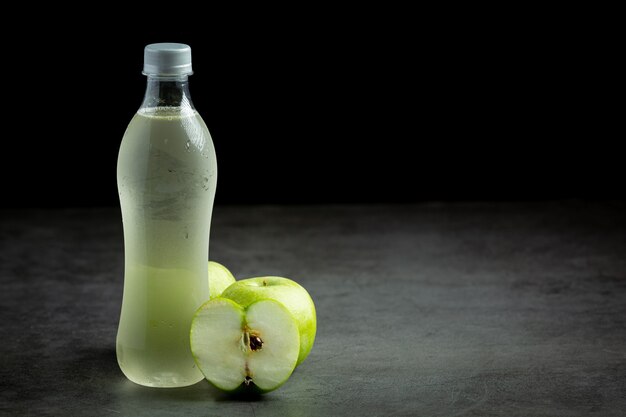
[[167, 92]]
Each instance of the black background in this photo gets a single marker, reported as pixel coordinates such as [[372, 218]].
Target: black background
[[342, 107]]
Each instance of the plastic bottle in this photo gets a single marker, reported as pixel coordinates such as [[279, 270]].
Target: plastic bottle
[[166, 177]]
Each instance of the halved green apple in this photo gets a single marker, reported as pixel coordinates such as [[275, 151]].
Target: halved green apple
[[239, 348]]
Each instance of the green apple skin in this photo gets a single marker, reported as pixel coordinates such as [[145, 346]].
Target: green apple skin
[[219, 279], [291, 294]]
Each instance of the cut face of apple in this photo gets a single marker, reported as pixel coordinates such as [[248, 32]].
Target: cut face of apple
[[239, 348], [219, 279]]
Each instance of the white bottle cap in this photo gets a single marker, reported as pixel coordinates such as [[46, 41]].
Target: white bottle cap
[[167, 59]]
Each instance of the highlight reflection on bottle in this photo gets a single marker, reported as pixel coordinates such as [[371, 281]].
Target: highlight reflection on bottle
[[167, 173]]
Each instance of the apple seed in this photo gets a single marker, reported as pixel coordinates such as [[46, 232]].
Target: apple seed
[[255, 342]]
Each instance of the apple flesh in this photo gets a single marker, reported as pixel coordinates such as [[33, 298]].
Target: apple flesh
[[219, 279], [287, 292], [253, 348]]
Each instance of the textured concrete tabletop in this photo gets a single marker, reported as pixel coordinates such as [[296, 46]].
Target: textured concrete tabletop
[[433, 310]]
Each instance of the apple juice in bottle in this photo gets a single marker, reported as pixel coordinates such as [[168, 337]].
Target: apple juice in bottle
[[166, 176]]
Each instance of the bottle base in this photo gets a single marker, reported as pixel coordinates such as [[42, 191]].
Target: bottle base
[[165, 380]]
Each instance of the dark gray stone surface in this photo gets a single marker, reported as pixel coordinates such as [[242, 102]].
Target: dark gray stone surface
[[434, 310]]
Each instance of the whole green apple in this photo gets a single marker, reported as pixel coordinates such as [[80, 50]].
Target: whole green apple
[[219, 279], [291, 294]]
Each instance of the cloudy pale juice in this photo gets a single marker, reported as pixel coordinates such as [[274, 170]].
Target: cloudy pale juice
[[166, 181]]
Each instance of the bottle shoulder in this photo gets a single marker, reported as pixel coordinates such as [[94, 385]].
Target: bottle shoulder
[[169, 131], [167, 122]]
